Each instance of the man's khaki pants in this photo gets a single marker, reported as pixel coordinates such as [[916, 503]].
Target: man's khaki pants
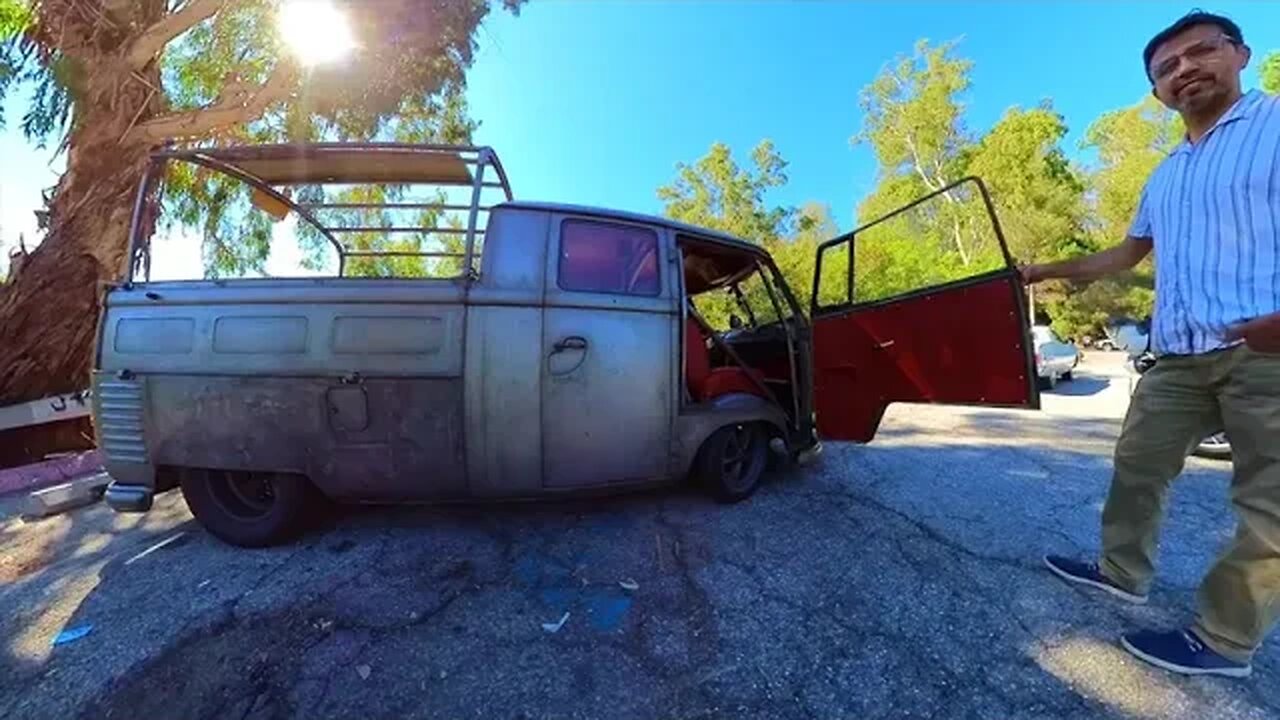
[[1176, 403]]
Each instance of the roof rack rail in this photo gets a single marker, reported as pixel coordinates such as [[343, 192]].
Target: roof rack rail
[[275, 169]]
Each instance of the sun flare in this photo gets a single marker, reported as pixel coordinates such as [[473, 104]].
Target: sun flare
[[316, 31]]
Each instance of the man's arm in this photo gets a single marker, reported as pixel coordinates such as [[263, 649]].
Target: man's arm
[[1091, 267]]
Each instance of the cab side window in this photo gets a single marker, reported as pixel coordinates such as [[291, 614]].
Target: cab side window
[[604, 257]]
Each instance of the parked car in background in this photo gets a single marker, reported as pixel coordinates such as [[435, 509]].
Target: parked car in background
[[1131, 337], [1056, 359]]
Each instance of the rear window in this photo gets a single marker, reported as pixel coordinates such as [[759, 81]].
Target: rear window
[[608, 258]]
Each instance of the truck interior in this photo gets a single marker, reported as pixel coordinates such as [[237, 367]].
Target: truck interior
[[738, 328]]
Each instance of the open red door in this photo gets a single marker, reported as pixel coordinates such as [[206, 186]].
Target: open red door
[[907, 323]]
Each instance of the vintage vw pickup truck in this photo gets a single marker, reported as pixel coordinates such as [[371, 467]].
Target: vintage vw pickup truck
[[562, 352]]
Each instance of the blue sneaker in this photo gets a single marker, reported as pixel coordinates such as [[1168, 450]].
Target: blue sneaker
[[1182, 652], [1087, 573]]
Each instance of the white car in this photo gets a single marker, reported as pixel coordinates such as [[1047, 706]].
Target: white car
[[1056, 359]]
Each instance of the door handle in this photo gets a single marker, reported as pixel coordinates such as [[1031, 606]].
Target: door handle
[[571, 343]]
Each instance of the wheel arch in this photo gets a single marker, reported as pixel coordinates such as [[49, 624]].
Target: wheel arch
[[698, 423]]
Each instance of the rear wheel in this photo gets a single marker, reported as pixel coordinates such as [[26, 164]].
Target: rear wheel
[[248, 509], [732, 461]]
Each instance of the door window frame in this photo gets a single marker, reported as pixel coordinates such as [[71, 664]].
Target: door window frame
[[848, 239]]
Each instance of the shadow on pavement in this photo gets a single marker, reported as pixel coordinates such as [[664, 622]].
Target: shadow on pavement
[[1080, 386]]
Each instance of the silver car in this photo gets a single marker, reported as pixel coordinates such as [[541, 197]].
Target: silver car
[[1056, 359]]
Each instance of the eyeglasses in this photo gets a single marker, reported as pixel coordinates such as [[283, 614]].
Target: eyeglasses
[[1197, 51]]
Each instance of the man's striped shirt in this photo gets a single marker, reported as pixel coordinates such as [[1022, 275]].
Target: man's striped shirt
[[1212, 211]]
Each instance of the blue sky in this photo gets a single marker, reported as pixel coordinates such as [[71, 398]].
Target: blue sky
[[595, 101]]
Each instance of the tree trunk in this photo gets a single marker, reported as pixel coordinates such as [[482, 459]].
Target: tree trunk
[[49, 309]]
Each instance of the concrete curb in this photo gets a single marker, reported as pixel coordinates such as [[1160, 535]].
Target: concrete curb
[[67, 496], [49, 473]]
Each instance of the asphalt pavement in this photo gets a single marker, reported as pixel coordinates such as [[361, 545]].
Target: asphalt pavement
[[898, 579]]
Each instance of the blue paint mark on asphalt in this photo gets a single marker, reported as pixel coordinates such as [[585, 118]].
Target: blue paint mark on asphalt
[[605, 607], [607, 610], [558, 598], [528, 570]]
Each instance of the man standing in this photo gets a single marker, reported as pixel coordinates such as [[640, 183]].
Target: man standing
[[1211, 212]]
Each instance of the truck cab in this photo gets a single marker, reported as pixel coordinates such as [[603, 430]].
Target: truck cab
[[516, 349]]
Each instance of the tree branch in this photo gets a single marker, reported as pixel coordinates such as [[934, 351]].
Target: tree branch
[[153, 39], [237, 104]]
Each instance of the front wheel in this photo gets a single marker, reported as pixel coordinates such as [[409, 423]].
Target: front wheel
[[248, 509], [732, 461]]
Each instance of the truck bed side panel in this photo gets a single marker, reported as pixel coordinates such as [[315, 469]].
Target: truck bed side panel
[[356, 383]]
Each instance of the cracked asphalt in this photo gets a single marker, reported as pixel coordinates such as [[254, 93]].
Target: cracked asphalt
[[897, 579]]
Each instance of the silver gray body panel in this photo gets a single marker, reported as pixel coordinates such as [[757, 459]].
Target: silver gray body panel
[[504, 356]]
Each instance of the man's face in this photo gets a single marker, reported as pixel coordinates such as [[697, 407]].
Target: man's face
[[1197, 69]]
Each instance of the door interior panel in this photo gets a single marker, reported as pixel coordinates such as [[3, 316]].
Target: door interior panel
[[958, 344], [965, 342]]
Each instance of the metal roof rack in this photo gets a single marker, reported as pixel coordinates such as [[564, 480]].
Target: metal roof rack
[[272, 170]]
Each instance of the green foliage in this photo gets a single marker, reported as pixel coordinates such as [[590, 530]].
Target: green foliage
[[1047, 209], [1129, 143], [716, 193], [1270, 72], [796, 256], [914, 121], [913, 115], [15, 15], [51, 74], [1039, 198], [915, 124], [406, 83], [241, 42], [237, 236]]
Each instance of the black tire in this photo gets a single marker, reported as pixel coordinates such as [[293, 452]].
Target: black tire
[[732, 462], [249, 509]]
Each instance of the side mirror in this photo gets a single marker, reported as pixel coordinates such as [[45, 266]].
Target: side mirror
[[735, 322]]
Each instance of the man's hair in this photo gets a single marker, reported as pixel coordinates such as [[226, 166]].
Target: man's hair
[[1195, 17]]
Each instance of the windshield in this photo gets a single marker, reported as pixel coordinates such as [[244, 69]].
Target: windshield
[[751, 302]]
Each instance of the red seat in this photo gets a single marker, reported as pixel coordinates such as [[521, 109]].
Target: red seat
[[706, 382]]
